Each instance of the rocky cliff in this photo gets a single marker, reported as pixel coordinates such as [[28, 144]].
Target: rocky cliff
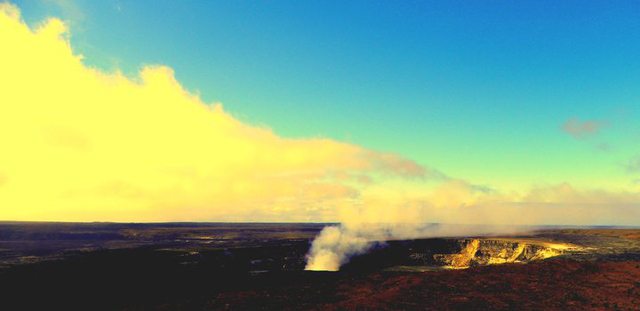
[[479, 252]]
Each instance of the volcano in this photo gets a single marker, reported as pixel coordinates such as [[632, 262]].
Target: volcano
[[261, 267]]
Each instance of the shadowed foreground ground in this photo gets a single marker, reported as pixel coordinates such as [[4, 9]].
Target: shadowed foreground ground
[[551, 285]]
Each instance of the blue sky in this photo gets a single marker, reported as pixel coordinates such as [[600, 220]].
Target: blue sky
[[477, 89]]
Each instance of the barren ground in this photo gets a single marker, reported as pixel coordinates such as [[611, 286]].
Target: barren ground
[[259, 267]]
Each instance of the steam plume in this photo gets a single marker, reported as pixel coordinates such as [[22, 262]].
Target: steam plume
[[335, 245]]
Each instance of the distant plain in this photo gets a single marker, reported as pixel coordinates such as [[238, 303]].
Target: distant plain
[[259, 266]]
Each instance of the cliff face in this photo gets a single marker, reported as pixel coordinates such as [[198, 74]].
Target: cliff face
[[479, 252], [456, 253]]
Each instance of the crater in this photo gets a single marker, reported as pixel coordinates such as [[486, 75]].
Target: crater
[[455, 253]]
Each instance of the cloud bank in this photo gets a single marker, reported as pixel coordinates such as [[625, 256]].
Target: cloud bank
[[81, 144]]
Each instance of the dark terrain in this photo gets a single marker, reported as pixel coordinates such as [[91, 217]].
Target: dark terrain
[[209, 266]]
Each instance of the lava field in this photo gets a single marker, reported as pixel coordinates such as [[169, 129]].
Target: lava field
[[261, 267]]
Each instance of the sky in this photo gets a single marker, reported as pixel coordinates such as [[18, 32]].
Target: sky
[[456, 111]]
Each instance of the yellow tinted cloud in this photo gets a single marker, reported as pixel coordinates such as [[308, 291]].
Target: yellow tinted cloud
[[80, 144]]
